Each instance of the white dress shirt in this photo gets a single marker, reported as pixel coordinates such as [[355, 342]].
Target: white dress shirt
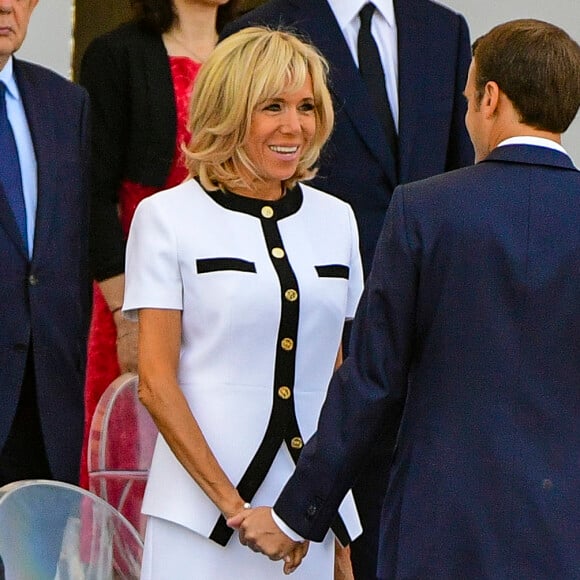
[[26, 156], [384, 31]]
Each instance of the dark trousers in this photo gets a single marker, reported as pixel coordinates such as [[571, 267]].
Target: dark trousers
[[23, 455]]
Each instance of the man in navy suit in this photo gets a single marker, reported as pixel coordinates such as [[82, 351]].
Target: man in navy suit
[[44, 281], [470, 320], [424, 50]]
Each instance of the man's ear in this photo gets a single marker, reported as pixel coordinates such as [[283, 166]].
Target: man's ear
[[491, 97]]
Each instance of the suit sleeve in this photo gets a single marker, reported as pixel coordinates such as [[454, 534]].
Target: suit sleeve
[[368, 390], [460, 150]]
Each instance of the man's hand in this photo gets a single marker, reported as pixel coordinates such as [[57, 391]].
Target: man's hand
[[260, 533]]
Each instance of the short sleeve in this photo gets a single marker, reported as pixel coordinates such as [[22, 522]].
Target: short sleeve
[[356, 277], [152, 273]]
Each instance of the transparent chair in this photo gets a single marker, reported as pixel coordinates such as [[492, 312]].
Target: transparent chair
[[51, 530], [121, 442]]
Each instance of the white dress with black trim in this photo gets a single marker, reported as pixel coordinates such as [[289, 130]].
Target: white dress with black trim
[[264, 289]]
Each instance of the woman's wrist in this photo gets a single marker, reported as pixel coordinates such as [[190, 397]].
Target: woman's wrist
[[236, 508]]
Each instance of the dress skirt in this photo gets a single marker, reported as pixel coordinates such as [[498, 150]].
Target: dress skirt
[[194, 557]]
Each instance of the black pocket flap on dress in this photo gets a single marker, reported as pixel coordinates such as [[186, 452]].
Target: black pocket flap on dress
[[206, 265], [333, 271]]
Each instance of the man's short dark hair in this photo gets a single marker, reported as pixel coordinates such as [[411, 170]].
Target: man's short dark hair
[[537, 65]]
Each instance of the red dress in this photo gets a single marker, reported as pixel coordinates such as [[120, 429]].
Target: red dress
[[102, 364]]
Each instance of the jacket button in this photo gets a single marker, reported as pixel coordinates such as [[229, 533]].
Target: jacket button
[[284, 392], [296, 443], [291, 295], [287, 344], [278, 253], [32, 280], [267, 212]]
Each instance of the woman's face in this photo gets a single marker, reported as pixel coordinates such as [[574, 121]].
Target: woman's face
[[280, 130]]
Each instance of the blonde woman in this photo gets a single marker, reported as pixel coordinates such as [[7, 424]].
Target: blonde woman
[[241, 278]]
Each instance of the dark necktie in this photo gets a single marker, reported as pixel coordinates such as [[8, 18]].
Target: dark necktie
[[371, 70], [10, 174]]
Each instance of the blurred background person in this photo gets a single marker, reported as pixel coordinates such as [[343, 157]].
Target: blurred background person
[[242, 279], [44, 277], [139, 78], [398, 69]]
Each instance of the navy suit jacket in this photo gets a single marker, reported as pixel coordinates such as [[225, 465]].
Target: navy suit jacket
[[471, 318], [357, 164], [45, 302]]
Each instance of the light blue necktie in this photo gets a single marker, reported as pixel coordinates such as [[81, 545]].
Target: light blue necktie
[[10, 174]]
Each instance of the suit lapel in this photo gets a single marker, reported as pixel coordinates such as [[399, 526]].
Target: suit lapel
[[37, 100], [317, 20], [413, 44], [8, 223]]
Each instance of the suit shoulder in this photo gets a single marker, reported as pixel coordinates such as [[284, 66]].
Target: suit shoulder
[[38, 74], [127, 35], [323, 199], [272, 14], [439, 10], [172, 200], [449, 185]]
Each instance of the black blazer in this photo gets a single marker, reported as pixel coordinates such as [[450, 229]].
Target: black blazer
[[128, 77]]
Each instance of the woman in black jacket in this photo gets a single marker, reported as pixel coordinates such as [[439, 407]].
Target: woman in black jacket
[[139, 77]]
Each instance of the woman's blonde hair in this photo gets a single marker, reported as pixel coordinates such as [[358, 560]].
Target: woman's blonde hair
[[244, 70]]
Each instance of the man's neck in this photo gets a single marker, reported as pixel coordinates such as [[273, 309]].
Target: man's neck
[[510, 130]]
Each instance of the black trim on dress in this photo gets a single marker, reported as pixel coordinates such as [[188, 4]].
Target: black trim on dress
[[206, 265], [283, 424]]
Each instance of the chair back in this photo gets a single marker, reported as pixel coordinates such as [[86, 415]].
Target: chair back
[[121, 442], [50, 530]]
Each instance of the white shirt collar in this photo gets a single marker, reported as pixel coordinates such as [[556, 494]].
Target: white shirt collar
[[7, 77], [531, 140], [346, 11]]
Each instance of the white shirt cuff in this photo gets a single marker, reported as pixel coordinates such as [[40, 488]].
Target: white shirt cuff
[[288, 531]]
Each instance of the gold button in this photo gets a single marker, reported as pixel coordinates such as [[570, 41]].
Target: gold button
[[267, 211], [291, 295], [278, 252], [284, 392], [287, 344], [296, 443]]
